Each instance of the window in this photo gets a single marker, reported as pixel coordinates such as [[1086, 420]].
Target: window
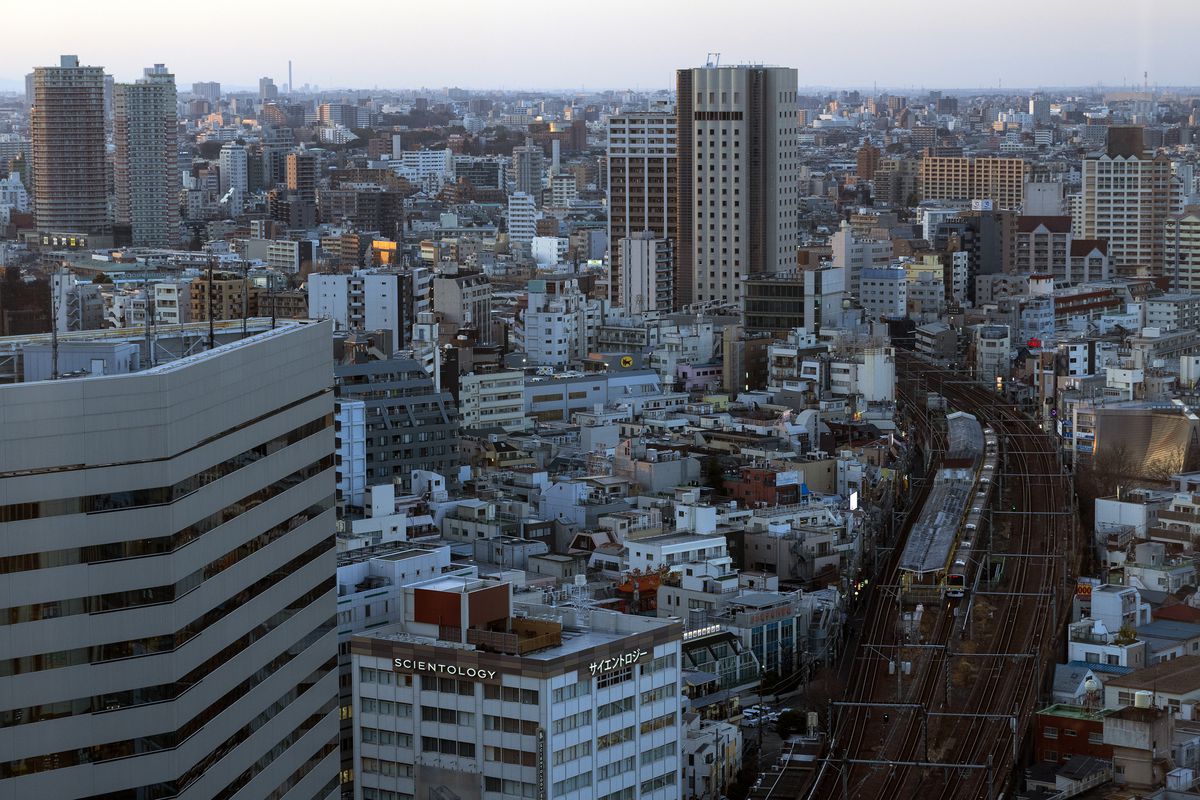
[[666, 779], [571, 753], [574, 783], [616, 707], [614, 738], [614, 677], [572, 722], [572, 691], [658, 753], [1050, 733], [658, 723]]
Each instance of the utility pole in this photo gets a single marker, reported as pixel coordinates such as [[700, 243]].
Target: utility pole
[[245, 294]]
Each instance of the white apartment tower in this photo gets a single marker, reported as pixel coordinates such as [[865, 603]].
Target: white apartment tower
[[232, 162], [169, 571], [1128, 196], [738, 161], [522, 218], [146, 168]]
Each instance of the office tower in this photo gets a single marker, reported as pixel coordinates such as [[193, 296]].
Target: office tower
[[738, 165], [479, 693], [170, 572], [234, 166], [70, 172], [208, 90], [1001, 180], [146, 171], [267, 90], [528, 166], [1128, 195], [647, 264], [641, 186]]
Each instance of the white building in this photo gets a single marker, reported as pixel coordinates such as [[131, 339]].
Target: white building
[[172, 302], [487, 696], [853, 255], [429, 169], [558, 328], [522, 218], [884, 292], [146, 163], [647, 272], [491, 399], [232, 163], [372, 299], [549, 251], [198, 497]]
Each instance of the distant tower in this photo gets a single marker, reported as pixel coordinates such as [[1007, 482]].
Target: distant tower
[[291, 86]]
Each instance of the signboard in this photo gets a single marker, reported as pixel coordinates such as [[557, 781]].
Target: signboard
[[541, 763], [981, 205], [437, 668], [623, 660]]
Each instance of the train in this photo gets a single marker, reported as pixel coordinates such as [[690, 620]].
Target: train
[[961, 570]]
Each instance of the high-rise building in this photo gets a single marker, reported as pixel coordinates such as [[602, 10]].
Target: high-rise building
[[1128, 195], [867, 161], [641, 187], [146, 171], [208, 90], [528, 169], [267, 90], [70, 171], [170, 572], [302, 176], [522, 218], [737, 168], [1001, 180], [234, 168]]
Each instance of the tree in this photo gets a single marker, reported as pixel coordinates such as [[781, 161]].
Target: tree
[[714, 474], [210, 150]]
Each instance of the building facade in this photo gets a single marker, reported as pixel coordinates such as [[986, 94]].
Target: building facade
[[70, 169], [737, 169], [641, 186], [474, 695], [146, 167], [171, 578]]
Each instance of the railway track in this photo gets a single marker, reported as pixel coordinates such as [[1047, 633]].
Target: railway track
[[997, 706]]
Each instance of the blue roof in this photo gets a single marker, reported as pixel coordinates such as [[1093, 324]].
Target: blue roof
[[1111, 669]]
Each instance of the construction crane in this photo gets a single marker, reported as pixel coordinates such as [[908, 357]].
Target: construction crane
[[713, 60]]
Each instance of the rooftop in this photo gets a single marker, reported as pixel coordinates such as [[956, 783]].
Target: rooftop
[[1178, 676]]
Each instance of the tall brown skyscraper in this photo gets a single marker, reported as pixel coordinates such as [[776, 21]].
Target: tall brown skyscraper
[[70, 184], [738, 168], [641, 185]]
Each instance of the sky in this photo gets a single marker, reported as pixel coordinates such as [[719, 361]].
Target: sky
[[615, 44]]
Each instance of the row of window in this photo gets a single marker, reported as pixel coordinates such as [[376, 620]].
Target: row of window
[[388, 769], [159, 545], [168, 642], [166, 692], [449, 716], [581, 750], [159, 495], [572, 722], [386, 737], [447, 747], [167, 593]]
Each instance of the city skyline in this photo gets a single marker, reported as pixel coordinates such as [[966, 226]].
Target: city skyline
[[926, 48]]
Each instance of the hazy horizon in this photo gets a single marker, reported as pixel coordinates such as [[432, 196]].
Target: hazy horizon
[[927, 44]]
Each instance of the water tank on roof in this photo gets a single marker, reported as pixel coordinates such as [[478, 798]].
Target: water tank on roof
[[651, 454], [1143, 699]]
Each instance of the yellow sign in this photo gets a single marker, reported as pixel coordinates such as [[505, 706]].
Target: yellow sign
[[627, 361]]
